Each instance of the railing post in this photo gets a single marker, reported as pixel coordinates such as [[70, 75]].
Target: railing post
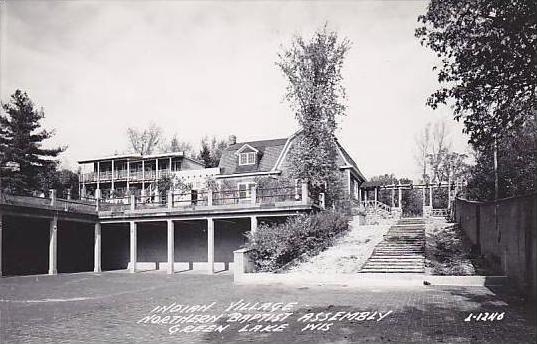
[[170, 199], [305, 196], [133, 202], [322, 200], [209, 197], [52, 197], [253, 194]]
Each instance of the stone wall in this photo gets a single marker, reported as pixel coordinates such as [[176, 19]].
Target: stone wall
[[505, 233]]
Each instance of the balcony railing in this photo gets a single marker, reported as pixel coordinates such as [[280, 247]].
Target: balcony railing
[[133, 175], [276, 196]]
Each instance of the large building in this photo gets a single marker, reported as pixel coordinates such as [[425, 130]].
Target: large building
[[241, 167], [144, 230], [121, 175]]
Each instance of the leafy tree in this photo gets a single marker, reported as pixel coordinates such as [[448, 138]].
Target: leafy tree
[[517, 156], [21, 142], [316, 94], [144, 141], [488, 51], [62, 180], [176, 145]]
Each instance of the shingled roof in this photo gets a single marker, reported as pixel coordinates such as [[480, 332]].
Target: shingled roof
[[269, 151]]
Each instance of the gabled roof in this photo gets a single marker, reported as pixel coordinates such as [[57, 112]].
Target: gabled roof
[[245, 147], [268, 153], [271, 157], [349, 161]]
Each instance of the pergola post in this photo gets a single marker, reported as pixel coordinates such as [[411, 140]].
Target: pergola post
[[423, 196], [400, 196], [210, 245], [171, 246], [97, 248]]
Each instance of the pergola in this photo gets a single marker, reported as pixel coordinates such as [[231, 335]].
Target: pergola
[[367, 187]]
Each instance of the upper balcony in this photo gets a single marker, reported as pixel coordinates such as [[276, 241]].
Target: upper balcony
[[123, 175], [201, 203]]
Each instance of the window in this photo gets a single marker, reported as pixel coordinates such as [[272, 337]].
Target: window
[[245, 190], [247, 158]]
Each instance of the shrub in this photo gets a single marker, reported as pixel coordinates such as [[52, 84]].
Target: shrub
[[274, 246]]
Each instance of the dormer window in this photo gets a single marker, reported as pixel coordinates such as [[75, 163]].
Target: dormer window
[[247, 155], [247, 158]]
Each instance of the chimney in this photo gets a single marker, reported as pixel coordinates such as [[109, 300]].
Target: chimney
[[232, 139]]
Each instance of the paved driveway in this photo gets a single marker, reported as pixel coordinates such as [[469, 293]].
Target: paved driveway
[[121, 308]]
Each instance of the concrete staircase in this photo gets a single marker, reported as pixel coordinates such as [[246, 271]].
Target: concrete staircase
[[402, 250]]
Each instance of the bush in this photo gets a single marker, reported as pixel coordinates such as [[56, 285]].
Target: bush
[[274, 246]]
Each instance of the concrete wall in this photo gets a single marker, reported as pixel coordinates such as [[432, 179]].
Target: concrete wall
[[24, 246], [505, 233], [190, 242], [75, 246]]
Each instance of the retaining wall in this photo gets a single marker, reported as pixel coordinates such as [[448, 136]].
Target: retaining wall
[[505, 233]]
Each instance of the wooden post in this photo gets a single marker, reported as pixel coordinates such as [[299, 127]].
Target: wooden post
[[128, 174], [305, 195], [253, 224], [133, 246], [423, 196], [170, 199], [113, 172], [171, 246], [209, 197], [52, 196], [399, 204], [133, 202], [253, 194], [210, 246], [431, 196], [53, 247], [97, 248], [393, 196]]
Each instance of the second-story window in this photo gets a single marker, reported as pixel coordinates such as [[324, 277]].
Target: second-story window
[[247, 158]]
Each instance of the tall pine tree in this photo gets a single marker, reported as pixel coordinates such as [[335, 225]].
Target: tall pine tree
[[22, 155]]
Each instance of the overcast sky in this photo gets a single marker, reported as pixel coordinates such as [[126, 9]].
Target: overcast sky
[[208, 68]]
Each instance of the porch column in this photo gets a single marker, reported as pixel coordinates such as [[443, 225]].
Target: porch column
[[210, 245], [128, 174], [53, 247], [393, 196], [400, 197], [133, 246], [359, 194], [113, 175], [98, 175], [157, 176], [376, 194], [1, 226], [143, 177], [431, 195], [171, 246], [253, 224], [97, 248]]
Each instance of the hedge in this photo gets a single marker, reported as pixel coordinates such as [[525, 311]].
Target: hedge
[[274, 246]]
